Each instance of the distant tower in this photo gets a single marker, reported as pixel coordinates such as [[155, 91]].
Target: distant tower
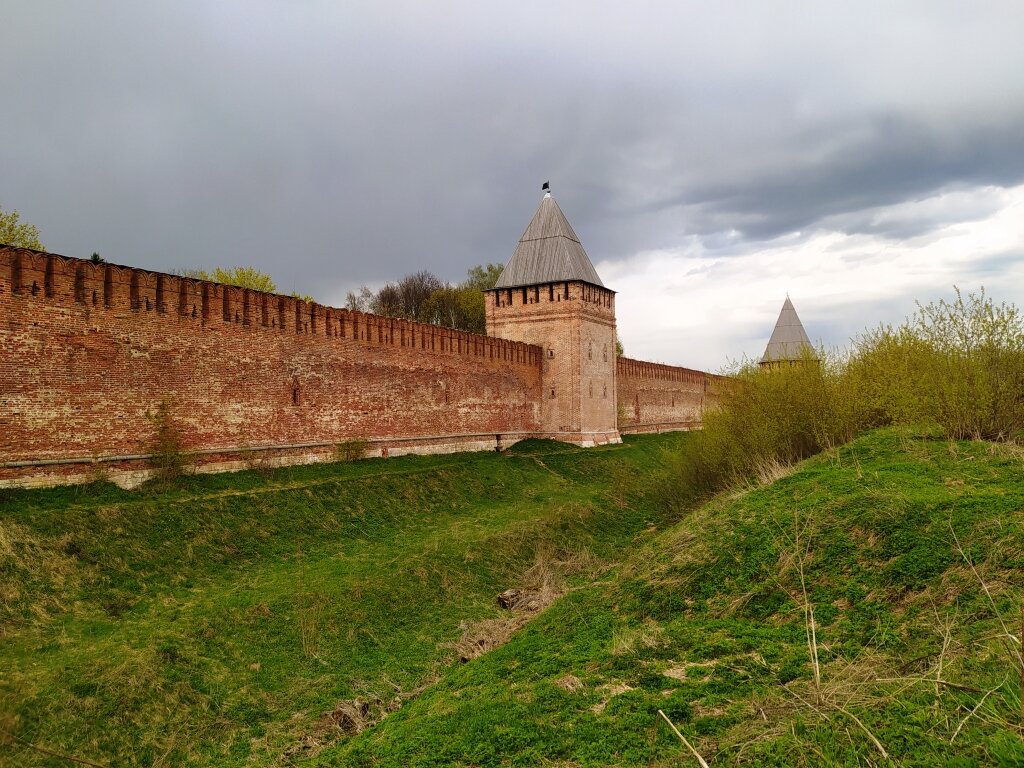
[[550, 295], [789, 342]]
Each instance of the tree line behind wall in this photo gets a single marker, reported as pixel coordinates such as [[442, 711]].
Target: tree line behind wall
[[425, 298]]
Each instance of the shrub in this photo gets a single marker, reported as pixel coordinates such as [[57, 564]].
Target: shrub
[[958, 365], [351, 450], [768, 417], [167, 455]]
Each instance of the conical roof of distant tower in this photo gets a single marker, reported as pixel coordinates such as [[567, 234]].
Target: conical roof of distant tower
[[789, 340], [548, 252]]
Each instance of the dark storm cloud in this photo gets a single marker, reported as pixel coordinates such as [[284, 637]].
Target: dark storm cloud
[[335, 145], [881, 161]]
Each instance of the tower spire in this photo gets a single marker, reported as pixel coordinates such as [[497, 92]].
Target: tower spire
[[789, 339], [549, 251]]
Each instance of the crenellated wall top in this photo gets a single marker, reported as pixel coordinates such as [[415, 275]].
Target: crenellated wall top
[[70, 281], [642, 369]]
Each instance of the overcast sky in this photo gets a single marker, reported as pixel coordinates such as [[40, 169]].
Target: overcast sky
[[711, 156]]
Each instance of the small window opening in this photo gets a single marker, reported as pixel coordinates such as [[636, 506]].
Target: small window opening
[[551, 291], [95, 298], [552, 393]]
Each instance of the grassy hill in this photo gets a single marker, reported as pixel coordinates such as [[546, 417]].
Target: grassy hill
[[215, 623], [709, 622], [266, 619]]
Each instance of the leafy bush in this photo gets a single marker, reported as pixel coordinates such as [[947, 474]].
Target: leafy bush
[[957, 365]]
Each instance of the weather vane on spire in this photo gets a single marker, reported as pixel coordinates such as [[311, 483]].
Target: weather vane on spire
[[546, 188]]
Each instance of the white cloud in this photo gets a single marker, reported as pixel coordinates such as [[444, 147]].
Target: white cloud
[[686, 307]]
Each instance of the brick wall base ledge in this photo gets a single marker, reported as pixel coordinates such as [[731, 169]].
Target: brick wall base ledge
[[659, 427], [132, 470]]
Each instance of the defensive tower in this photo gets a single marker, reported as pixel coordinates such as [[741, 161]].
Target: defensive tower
[[550, 295], [789, 343]]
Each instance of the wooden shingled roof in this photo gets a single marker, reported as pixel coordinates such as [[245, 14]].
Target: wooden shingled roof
[[789, 339], [548, 252]]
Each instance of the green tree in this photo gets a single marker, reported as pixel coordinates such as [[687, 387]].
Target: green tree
[[471, 296], [482, 277], [423, 297], [17, 234], [240, 277]]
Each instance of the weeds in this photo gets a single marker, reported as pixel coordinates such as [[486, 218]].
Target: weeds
[[351, 450], [167, 454]]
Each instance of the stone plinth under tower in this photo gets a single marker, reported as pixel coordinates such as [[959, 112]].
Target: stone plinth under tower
[[550, 295]]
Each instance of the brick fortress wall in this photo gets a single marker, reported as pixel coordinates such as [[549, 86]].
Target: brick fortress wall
[[87, 351], [660, 398]]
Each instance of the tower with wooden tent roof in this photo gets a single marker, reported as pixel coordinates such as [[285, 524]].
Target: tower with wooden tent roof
[[550, 295], [789, 343]]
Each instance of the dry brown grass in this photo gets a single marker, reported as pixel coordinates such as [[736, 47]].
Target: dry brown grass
[[609, 691], [628, 640], [570, 683]]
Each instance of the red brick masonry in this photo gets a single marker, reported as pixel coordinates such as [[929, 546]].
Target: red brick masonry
[[88, 352]]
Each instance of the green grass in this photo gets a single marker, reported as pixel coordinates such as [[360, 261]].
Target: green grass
[[706, 621], [215, 622]]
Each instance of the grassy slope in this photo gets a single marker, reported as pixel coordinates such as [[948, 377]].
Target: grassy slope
[[216, 622], [707, 623]]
